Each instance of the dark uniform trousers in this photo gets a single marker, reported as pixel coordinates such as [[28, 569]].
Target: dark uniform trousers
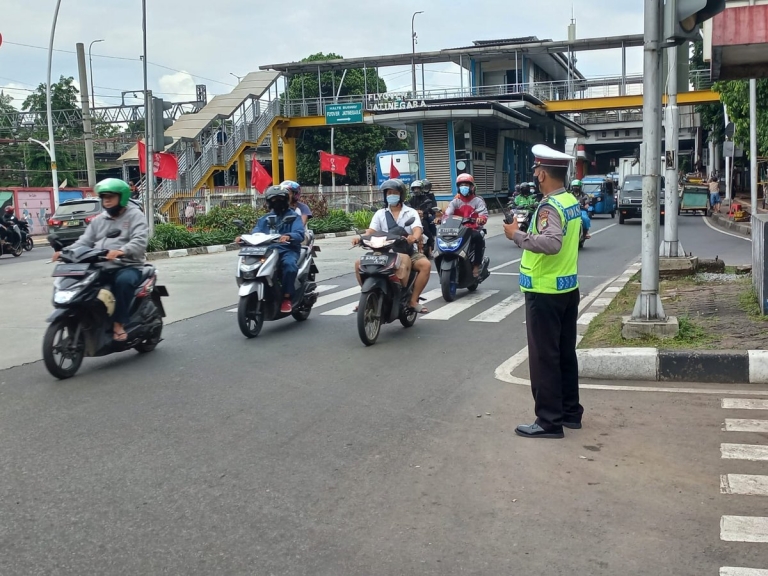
[[551, 324]]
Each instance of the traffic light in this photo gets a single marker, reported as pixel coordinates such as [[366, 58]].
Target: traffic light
[[159, 124], [682, 18]]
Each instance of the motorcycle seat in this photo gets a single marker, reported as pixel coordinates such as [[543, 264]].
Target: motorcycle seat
[[146, 271]]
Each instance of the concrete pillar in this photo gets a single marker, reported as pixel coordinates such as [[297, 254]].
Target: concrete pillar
[[275, 149], [242, 184], [289, 158]]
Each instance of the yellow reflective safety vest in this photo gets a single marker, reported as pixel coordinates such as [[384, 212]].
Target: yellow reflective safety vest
[[556, 273]]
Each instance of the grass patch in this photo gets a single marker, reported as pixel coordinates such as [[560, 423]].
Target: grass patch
[[605, 330], [750, 304]]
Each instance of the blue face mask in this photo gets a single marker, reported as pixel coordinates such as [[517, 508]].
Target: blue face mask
[[393, 200], [464, 190]]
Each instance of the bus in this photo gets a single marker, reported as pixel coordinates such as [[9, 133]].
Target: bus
[[407, 163]]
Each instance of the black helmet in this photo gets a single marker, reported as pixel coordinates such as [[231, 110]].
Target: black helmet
[[427, 185], [277, 197], [393, 184], [525, 188]]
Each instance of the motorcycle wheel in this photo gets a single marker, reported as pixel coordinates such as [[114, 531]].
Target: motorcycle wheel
[[449, 291], [301, 315], [408, 320], [18, 250], [473, 287], [151, 343], [64, 348], [581, 242], [29, 244], [249, 321], [368, 323]]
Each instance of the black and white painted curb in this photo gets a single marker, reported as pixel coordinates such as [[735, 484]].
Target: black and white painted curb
[[649, 364]]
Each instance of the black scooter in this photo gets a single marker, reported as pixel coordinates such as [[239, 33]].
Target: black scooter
[[383, 298], [26, 237], [455, 252], [11, 240], [81, 324]]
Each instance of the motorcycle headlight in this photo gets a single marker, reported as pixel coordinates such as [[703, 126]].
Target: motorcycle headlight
[[249, 267], [443, 245], [64, 296]]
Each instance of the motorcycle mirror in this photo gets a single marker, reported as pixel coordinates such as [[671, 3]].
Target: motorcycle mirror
[[290, 218], [113, 234], [53, 240], [408, 222], [238, 223], [272, 219]]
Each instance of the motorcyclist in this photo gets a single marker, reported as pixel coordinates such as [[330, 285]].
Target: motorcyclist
[[12, 232], [394, 195], [526, 198], [292, 234], [301, 208], [578, 193], [419, 196], [467, 204], [125, 253]]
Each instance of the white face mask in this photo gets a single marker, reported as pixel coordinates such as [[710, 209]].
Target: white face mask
[[393, 200]]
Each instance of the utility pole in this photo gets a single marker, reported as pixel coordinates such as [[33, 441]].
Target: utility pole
[[149, 181], [51, 136], [413, 52], [648, 306], [753, 141], [333, 130], [87, 134], [671, 140]]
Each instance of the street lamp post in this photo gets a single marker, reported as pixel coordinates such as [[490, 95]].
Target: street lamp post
[[413, 51], [236, 76], [90, 72], [51, 149]]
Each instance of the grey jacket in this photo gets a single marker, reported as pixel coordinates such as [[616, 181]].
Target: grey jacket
[[132, 240]]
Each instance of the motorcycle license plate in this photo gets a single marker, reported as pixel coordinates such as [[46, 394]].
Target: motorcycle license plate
[[75, 223], [71, 269], [253, 251], [374, 260], [443, 231]]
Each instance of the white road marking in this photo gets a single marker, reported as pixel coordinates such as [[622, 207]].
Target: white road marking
[[716, 229], [348, 309], [752, 452], [729, 571], [601, 229], [501, 310], [328, 298], [744, 529], [744, 484], [325, 287], [744, 404], [745, 425], [500, 266], [450, 310]]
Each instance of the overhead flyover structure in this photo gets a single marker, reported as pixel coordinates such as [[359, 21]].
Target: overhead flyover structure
[[626, 102]]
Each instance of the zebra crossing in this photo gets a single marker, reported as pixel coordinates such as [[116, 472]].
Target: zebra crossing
[[490, 310], [744, 529]]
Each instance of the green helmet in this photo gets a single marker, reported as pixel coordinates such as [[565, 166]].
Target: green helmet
[[575, 183], [114, 186]]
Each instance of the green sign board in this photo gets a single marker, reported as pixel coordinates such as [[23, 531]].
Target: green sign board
[[344, 113]]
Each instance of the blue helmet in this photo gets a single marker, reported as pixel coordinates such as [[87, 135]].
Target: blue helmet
[[293, 187]]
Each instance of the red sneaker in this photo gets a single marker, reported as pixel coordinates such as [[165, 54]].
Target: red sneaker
[[286, 306]]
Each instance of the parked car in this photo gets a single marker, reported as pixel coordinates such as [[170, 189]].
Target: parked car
[[72, 216], [631, 198]]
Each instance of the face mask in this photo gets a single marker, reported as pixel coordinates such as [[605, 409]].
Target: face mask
[[114, 211], [536, 188], [393, 200], [464, 190], [279, 207]]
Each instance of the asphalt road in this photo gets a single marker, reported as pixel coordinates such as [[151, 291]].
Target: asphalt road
[[39, 252], [304, 452]]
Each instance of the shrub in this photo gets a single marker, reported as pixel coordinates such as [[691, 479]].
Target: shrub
[[335, 221], [318, 204], [176, 236], [362, 219], [221, 217]]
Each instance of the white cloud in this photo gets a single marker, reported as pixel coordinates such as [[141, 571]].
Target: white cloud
[[177, 87]]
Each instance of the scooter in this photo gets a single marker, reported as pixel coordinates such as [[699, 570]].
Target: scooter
[[257, 277], [8, 247], [383, 299], [454, 255], [26, 237], [81, 323]]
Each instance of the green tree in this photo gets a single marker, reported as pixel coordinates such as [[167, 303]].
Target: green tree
[[735, 95], [11, 160], [359, 143]]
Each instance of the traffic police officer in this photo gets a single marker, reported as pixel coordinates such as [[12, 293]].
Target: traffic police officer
[[548, 277]]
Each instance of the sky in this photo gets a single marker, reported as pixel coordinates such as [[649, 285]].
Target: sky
[[202, 42]]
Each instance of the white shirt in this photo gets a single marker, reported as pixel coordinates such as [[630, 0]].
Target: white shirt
[[379, 220]]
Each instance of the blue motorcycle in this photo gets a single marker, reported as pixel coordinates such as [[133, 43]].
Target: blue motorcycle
[[454, 255]]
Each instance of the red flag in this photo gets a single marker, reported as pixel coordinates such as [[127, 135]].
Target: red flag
[[164, 164], [260, 178], [333, 163], [393, 171]]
